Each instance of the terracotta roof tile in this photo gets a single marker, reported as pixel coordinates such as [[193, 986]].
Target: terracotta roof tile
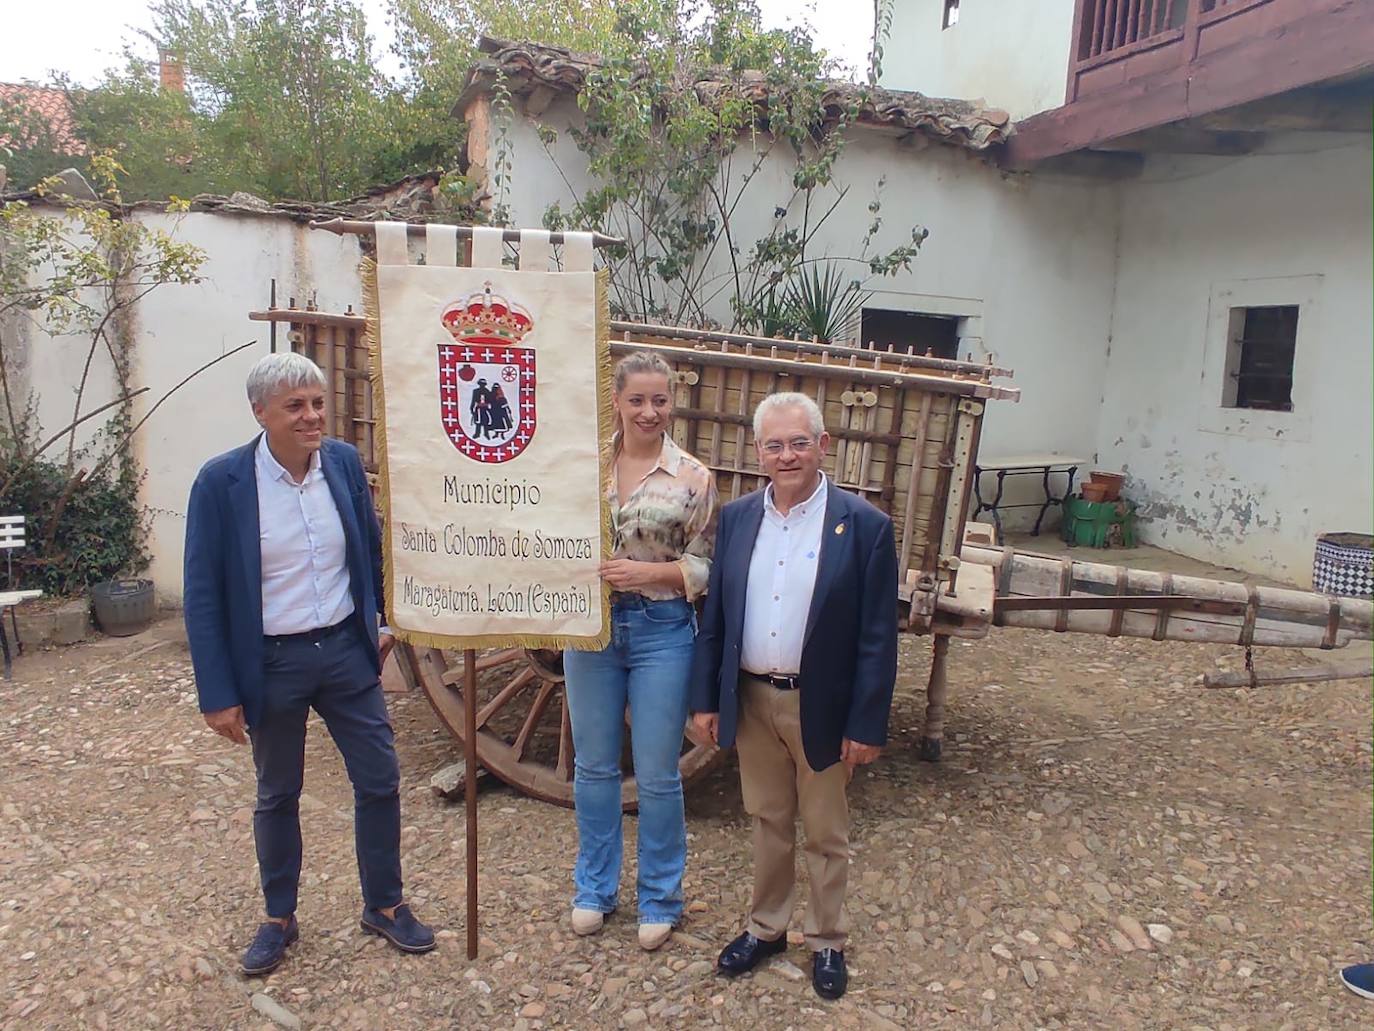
[[530, 68], [51, 106]]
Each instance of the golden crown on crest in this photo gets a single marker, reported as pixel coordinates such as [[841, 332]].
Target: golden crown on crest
[[484, 318]]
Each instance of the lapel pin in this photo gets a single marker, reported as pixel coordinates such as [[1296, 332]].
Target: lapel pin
[[839, 529]]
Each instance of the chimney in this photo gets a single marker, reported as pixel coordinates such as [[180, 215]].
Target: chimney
[[171, 73]]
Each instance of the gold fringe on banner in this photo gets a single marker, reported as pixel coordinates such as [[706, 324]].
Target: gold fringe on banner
[[605, 425], [605, 429]]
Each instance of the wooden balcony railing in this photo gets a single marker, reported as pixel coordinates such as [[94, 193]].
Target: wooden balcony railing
[[1116, 28], [1135, 65], [1109, 25]]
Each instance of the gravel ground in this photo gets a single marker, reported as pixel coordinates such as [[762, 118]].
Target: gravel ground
[[1104, 845]]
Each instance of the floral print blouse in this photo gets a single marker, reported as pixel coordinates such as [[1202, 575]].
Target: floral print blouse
[[670, 517]]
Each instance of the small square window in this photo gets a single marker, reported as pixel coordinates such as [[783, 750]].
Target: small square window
[[951, 17], [1261, 343]]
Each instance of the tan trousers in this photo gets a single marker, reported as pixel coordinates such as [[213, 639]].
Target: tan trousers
[[777, 783]]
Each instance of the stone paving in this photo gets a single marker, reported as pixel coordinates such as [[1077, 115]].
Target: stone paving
[[1104, 845]]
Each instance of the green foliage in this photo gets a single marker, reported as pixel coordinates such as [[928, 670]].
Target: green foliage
[[80, 274], [284, 99], [679, 145], [826, 306], [287, 98], [157, 133], [99, 533]]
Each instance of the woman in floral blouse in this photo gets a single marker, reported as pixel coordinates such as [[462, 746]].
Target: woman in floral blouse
[[663, 504]]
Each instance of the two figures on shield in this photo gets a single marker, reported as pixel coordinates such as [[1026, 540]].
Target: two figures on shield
[[490, 411]]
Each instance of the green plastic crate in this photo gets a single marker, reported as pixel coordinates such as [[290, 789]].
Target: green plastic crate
[[1089, 524]]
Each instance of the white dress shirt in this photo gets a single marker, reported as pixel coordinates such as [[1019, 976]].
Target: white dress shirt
[[782, 579], [305, 581]]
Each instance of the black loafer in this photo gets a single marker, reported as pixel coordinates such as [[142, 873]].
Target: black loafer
[[269, 947], [402, 930], [746, 952], [828, 974]]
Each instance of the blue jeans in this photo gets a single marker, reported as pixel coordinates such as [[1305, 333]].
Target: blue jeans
[[334, 677], [647, 665]]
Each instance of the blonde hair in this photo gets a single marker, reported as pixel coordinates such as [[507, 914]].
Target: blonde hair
[[640, 362]]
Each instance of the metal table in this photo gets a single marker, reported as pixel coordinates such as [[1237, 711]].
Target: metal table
[[1041, 465]]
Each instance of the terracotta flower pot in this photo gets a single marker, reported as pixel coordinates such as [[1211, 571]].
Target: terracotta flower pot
[[1111, 481]]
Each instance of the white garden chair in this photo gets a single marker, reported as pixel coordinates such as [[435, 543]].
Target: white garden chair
[[12, 537]]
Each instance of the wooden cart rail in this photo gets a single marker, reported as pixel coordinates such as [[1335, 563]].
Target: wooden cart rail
[[904, 435]]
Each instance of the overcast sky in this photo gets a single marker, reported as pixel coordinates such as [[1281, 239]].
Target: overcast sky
[[84, 37]]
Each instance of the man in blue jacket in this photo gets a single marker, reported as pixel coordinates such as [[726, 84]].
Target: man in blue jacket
[[796, 662], [283, 587]]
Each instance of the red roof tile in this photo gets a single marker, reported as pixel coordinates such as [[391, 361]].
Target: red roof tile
[[45, 104]]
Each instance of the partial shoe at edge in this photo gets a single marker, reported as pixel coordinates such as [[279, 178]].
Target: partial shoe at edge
[[1359, 979]]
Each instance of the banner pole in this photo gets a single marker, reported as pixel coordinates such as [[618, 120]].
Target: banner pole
[[470, 787]]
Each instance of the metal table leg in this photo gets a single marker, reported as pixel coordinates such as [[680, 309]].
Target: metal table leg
[[5, 646], [996, 501], [1050, 499]]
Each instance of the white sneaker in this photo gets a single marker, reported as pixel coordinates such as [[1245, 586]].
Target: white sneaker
[[587, 921], [651, 936]]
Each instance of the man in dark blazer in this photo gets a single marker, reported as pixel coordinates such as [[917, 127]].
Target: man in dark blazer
[[795, 663], [282, 591]]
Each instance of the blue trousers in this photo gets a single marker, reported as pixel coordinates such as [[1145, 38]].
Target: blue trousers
[[335, 677], [646, 666]]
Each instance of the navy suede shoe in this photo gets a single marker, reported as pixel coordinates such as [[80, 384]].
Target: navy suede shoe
[[269, 947], [403, 931]]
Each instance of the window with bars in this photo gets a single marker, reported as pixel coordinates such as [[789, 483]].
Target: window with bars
[[951, 15], [1261, 346]]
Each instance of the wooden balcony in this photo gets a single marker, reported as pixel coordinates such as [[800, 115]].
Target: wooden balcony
[[1136, 65]]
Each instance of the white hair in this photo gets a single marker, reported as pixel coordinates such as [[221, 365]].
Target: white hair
[[284, 370], [789, 399]]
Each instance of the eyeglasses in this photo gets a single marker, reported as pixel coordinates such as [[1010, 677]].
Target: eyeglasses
[[799, 445]]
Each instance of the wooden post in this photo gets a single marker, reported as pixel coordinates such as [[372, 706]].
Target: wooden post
[[470, 788], [932, 737]]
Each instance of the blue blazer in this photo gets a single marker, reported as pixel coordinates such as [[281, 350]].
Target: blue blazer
[[222, 590], [849, 652]]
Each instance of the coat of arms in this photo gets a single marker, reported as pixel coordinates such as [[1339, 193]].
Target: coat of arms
[[486, 380]]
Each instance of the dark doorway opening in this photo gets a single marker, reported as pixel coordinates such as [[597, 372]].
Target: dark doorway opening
[[911, 332]]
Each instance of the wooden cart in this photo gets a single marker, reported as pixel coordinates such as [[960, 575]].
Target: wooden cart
[[905, 432]]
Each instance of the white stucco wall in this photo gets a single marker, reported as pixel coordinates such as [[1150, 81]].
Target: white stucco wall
[[1245, 488], [1012, 53], [45, 367], [1104, 298], [179, 328], [1029, 260]]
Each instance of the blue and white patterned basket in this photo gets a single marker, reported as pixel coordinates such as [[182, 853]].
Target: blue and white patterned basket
[[1344, 565]]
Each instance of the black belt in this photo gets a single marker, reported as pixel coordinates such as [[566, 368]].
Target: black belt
[[782, 683], [311, 636]]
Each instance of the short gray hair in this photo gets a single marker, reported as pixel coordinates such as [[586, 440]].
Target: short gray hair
[[284, 370], [789, 399]]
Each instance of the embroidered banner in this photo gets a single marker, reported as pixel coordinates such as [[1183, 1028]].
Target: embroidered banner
[[493, 394]]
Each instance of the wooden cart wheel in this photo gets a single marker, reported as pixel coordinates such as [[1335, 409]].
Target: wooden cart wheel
[[523, 732]]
